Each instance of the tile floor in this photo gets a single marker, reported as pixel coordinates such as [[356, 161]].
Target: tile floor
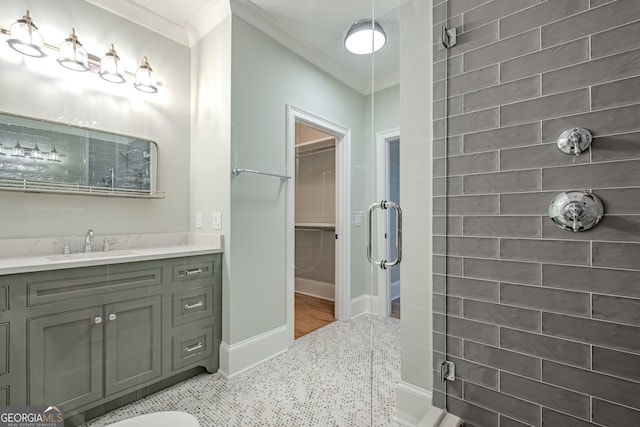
[[323, 380]]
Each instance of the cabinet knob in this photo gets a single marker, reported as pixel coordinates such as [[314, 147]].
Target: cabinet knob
[[97, 320], [112, 316]]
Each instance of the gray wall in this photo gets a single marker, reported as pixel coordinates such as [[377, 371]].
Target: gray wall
[[265, 77], [40, 88], [543, 324]]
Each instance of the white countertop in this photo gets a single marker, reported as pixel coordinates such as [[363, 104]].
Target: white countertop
[[29, 255]]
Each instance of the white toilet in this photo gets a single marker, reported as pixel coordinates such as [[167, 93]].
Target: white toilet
[[160, 419]]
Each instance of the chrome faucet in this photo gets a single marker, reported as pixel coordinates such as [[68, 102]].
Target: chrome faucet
[[87, 240]]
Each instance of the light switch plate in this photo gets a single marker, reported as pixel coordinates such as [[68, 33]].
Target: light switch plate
[[217, 221]]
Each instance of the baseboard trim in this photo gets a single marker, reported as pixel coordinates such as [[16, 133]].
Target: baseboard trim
[[412, 403], [364, 304], [315, 288], [244, 355]]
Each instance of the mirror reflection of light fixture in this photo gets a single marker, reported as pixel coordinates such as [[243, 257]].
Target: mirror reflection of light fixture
[[145, 78], [364, 37], [36, 154], [72, 55], [53, 155], [111, 68], [17, 151], [3, 151], [25, 37]]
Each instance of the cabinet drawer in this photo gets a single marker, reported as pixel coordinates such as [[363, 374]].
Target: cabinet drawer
[[84, 282], [4, 298], [192, 347], [193, 269], [4, 349], [4, 396], [192, 304]]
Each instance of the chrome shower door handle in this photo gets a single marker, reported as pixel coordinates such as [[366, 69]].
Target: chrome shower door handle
[[384, 205], [391, 264], [372, 208]]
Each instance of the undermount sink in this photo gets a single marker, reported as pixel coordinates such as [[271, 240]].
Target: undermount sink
[[89, 255]]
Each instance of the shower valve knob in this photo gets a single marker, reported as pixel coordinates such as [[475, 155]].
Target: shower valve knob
[[576, 210], [574, 141]]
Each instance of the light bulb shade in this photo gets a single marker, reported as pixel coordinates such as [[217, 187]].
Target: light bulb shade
[[111, 68], [25, 37], [36, 153], [3, 151], [72, 55], [53, 155], [17, 151], [145, 78], [364, 37]]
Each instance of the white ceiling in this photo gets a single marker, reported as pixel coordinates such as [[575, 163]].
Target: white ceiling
[[314, 29]]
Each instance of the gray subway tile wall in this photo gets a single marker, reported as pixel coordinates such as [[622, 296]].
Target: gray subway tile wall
[[542, 324]]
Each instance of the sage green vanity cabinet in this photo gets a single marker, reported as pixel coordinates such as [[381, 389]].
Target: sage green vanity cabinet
[[65, 358], [132, 343], [84, 337]]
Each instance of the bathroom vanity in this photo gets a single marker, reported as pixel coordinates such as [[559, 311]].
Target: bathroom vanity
[[95, 331]]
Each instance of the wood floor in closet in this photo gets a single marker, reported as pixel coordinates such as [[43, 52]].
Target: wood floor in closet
[[312, 313]]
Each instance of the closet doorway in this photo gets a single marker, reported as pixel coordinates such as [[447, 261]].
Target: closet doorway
[[318, 218], [315, 228]]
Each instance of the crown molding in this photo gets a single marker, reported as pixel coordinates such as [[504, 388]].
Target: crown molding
[[208, 18]]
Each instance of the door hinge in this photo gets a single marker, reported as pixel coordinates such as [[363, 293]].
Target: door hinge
[[449, 37], [336, 237], [447, 371]]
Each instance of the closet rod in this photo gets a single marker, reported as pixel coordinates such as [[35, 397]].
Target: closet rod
[[316, 151], [238, 171]]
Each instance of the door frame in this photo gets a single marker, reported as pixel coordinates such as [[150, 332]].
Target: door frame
[[382, 191], [343, 212]]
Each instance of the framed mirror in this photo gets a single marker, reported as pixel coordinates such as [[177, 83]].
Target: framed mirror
[[48, 157]]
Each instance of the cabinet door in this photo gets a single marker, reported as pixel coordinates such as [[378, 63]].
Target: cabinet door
[[65, 358], [132, 345]]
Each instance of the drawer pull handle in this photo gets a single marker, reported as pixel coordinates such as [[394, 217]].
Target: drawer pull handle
[[97, 320], [192, 272], [112, 316], [196, 347], [192, 306]]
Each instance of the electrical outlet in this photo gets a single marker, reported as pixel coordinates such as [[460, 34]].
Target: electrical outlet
[[199, 220], [217, 221]]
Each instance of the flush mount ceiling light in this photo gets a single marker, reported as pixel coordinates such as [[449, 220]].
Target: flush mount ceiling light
[[111, 68], [72, 55], [364, 37], [145, 78], [25, 37]]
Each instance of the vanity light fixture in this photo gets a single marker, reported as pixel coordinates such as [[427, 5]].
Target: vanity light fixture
[[17, 151], [145, 78], [111, 68], [72, 54], [364, 37], [25, 37], [3, 151]]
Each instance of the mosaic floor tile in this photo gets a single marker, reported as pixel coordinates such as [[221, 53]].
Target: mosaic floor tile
[[324, 379]]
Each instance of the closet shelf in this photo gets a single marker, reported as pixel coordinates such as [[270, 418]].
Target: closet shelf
[[328, 225]]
